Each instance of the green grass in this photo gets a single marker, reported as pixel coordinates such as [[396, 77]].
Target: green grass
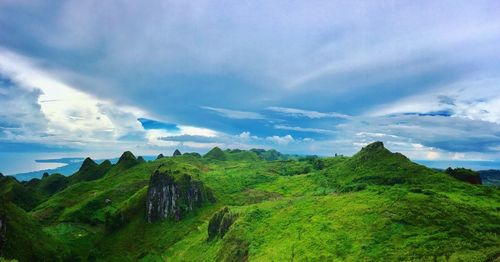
[[396, 225], [374, 206], [23, 239]]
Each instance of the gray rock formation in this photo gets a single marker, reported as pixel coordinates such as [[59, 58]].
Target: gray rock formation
[[177, 153], [172, 195]]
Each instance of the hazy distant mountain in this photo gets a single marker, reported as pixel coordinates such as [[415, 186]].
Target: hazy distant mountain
[[490, 177], [68, 169]]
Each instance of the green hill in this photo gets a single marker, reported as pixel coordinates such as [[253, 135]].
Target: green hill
[[258, 205], [127, 160], [48, 185], [90, 170], [16, 193], [23, 239], [215, 154]]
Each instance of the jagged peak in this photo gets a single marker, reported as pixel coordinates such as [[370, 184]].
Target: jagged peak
[[177, 153], [106, 163], [373, 148], [216, 148], [126, 157], [216, 153], [160, 156], [141, 159], [374, 145], [87, 163], [376, 151]]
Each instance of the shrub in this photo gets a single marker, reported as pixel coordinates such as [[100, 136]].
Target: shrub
[[220, 223]]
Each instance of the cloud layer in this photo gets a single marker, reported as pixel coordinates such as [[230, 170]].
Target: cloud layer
[[315, 77]]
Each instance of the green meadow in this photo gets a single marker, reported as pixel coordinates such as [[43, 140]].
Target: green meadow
[[373, 206]]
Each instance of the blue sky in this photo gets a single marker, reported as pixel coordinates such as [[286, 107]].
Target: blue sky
[[307, 77]]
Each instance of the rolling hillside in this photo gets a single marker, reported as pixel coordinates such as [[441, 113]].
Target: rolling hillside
[[257, 205]]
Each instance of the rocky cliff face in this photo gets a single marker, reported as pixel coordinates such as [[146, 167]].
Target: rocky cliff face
[[177, 153], [172, 195]]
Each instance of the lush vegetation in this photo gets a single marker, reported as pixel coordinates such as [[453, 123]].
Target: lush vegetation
[[464, 174], [373, 206]]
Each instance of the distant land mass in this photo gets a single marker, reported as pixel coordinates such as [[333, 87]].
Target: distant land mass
[[490, 177], [66, 170], [64, 160], [72, 165]]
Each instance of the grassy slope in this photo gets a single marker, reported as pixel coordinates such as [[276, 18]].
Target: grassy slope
[[13, 191], [375, 204], [402, 211], [25, 240]]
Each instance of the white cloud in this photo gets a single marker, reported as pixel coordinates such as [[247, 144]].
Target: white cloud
[[374, 135], [281, 140], [477, 98], [20, 117], [198, 145], [271, 53], [50, 111], [234, 114], [304, 129], [416, 135], [153, 136], [69, 115], [197, 131], [245, 135], [458, 156], [432, 155], [306, 113]]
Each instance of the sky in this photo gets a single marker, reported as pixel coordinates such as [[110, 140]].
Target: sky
[[305, 77]]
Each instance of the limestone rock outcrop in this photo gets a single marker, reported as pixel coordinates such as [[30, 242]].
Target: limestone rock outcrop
[[177, 153], [172, 194]]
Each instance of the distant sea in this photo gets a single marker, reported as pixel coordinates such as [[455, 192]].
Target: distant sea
[[14, 163], [25, 166]]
